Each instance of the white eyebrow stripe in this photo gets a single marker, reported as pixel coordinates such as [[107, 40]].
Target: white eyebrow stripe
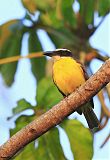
[[62, 49]]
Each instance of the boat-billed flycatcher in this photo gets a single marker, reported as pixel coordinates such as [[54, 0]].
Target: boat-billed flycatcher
[[68, 74]]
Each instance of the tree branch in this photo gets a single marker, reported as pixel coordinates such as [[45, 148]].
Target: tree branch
[[57, 113]]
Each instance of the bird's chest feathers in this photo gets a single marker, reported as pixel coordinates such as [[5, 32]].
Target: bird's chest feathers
[[67, 75]]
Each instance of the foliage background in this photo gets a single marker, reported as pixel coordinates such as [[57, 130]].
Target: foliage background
[[26, 82]]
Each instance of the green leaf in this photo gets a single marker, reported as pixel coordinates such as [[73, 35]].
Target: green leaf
[[38, 64], [50, 18], [103, 7], [21, 106], [29, 152], [62, 38], [6, 45], [49, 14], [87, 10], [89, 7], [56, 41], [6, 32], [59, 16], [47, 94], [49, 146], [80, 138], [67, 12], [11, 39], [13, 48]]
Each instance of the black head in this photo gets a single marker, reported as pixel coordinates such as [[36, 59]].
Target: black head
[[59, 52]]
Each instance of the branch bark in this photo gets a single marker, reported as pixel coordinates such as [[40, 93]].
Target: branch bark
[[57, 113]]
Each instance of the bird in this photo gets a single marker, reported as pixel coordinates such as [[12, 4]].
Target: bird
[[69, 74]]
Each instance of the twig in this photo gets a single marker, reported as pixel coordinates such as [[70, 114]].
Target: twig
[[57, 113], [95, 54], [16, 58], [105, 141], [104, 107], [104, 124], [108, 89]]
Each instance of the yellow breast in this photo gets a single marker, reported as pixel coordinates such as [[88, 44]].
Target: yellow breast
[[67, 75]]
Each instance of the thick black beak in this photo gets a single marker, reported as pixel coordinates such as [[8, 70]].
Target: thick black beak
[[49, 53]]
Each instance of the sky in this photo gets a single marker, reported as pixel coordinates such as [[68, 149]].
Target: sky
[[20, 89]]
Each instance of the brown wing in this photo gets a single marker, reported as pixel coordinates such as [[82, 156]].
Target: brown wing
[[86, 78], [84, 70]]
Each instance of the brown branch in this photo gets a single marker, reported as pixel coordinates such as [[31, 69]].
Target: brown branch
[[56, 114], [95, 54]]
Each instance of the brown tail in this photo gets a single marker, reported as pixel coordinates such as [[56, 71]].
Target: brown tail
[[91, 117]]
